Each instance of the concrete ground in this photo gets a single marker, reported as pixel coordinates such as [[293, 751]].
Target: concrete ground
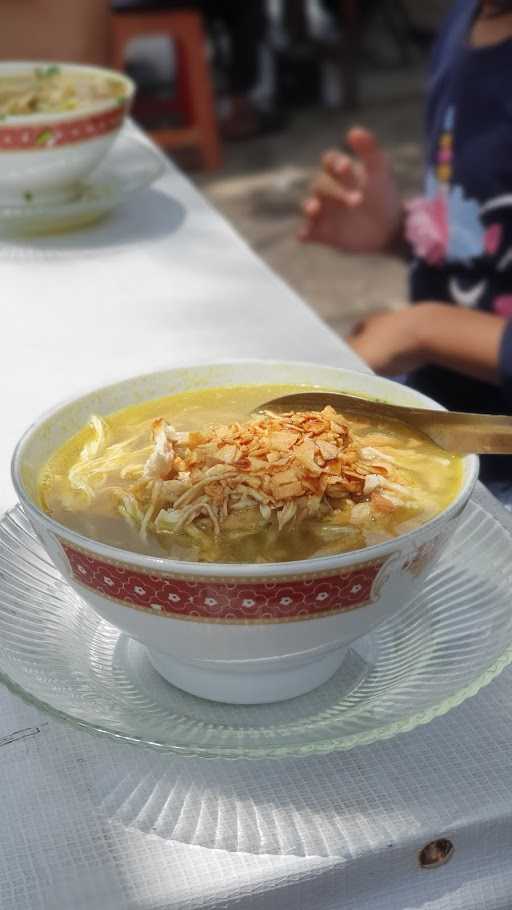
[[263, 181]]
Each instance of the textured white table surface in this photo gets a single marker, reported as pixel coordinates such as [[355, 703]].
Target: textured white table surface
[[87, 824]]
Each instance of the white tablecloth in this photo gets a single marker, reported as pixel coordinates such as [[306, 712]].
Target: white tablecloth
[[87, 824]]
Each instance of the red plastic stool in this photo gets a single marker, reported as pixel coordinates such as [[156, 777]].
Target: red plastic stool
[[195, 94]]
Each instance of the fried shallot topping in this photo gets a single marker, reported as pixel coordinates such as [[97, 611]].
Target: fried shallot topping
[[273, 469]]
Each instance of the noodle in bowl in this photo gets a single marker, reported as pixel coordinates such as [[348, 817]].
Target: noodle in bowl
[[240, 633]]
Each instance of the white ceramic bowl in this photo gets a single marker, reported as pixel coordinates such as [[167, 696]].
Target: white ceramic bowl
[[43, 157], [235, 633]]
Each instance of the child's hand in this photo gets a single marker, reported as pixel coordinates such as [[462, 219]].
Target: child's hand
[[391, 343], [354, 204]]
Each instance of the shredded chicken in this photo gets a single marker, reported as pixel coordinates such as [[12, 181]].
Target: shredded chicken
[[312, 483]]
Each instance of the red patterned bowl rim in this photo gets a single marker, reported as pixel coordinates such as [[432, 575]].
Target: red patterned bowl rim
[[33, 132], [247, 600], [54, 135]]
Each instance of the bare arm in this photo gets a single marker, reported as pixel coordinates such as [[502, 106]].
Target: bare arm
[[466, 341], [67, 30]]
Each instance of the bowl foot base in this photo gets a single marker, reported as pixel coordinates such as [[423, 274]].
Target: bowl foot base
[[247, 686]]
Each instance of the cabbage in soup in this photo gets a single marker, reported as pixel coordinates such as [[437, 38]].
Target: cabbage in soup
[[51, 90], [195, 477]]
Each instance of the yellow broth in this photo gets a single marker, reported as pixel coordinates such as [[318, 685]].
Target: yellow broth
[[431, 477]]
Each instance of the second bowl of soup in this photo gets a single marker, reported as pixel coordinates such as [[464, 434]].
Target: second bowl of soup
[[57, 121], [245, 551]]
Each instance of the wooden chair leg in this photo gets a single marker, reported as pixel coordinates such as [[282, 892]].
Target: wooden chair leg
[[183, 96], [201, 100], [195, 93], [117, 48]]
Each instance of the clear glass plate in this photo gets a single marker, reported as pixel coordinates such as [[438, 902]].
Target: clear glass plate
[[131, 165], [439, 650]]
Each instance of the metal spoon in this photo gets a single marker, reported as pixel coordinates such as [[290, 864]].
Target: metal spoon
[[489, 434]]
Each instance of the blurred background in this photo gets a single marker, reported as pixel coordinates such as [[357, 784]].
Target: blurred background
[[321, 66], [247, 94]]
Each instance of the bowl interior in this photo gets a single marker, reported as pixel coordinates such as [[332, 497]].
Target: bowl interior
[[12, 68], [52, 429]]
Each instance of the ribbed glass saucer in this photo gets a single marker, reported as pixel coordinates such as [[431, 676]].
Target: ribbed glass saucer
[[439, 650], [131, 165]]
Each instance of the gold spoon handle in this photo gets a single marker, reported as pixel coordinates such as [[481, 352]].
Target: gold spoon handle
[[454, 431]]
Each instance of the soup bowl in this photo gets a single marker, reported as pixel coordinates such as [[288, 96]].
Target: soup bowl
[[44, 156], [236, 633]]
